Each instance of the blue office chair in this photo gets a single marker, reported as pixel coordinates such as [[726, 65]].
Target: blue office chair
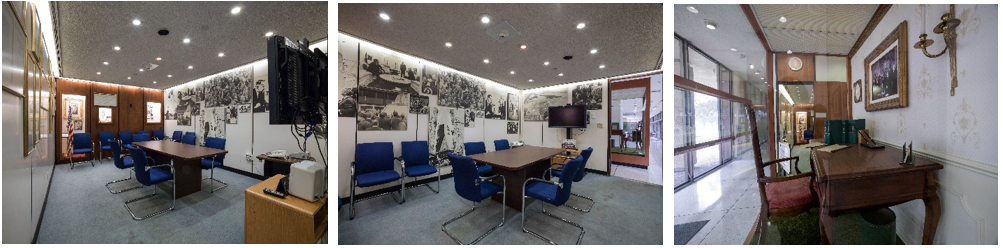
[[554, 193], [474, 148], [501, 145], [126, 138], [474, 188], [414, 159], [809, 134], [82, 144], [141, 137], [176, 137], [158, 134], [375, 167], [213, 162], [150, 175], [103, 138], [142, 132], [558, 172], [189, 138], [122, 162]]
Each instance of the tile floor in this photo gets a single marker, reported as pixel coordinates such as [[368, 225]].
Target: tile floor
[[727, 197], [651, 175]]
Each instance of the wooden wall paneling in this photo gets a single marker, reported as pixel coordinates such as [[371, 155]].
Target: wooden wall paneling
[[157, 96], [806, 74], [771, 92], [821, 105], [72, 87], [837, 99], [131, 108], [92, 115]]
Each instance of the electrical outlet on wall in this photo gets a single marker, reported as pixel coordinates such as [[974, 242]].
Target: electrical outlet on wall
[[248, 157], [599, 125]]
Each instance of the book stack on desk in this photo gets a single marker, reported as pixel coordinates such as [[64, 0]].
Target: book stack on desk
[[842, 131]]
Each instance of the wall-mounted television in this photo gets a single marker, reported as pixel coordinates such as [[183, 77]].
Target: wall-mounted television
[[570, 116]]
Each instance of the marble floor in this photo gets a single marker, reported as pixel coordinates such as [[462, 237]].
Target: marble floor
[[653, 174], [727, 197]]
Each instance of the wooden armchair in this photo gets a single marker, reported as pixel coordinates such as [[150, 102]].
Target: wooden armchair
[[781, 196]]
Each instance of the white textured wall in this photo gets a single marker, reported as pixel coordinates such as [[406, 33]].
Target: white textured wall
[[593, 136], [830, 68], [958, 131]]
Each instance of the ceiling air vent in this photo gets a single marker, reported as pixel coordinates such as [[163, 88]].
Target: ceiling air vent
[[148, 66], [502, 32]]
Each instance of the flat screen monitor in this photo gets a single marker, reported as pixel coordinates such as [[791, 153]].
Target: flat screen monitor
[[571, 116]]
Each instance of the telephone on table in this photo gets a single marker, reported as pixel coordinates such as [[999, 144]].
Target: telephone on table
[[277, 154]]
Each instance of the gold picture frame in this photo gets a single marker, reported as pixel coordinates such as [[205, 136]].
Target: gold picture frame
[[886, 72], [74, 108]]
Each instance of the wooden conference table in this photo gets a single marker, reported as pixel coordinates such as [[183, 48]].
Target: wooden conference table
[[187, 161], [517, 164], [858, 178]]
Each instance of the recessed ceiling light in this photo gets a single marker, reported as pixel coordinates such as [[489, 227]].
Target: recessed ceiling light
[[136, 22], [546, 62], [189, 67], [581, 25], [235, 10], [186, 40], [762, 78], [692, 9], [487, 61], [511, 72], [140, 69], [221, 54], [783, 19], [523, 46], [602, 66], [269, 34], [128, 78], [169, 76], [560, 75], [99, 73], [159, 58], [449, 44], [117, 48], [710, 24], [106, 63], [154, 82], [594, 51], [384, 16], [757, 72], [789, 52], [734, 50], [485, 19], [531, 80], [752, 66]]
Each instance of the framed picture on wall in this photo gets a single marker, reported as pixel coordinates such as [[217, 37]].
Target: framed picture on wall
[[153, 112], [886, 74], [104, 115], [74, 108]]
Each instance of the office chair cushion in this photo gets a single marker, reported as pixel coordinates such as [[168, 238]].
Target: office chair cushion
[[129, 146], [415, 152], [542, 191], [176, 136], [81, 140], [789, 193], [489, 189], [585, 159], [474, 148], [159, 134], [141, 137], [374, 157], [483, 170], [104, 136], [376, 178], [207, 163], [81, 150], [419, 170], [126, 163], [501, 145], [105, 148], [557, 172], [159, 175]]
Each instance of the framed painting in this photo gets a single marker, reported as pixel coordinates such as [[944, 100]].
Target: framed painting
[[886, 72], [104, 115], [153, 112], [74, 108]]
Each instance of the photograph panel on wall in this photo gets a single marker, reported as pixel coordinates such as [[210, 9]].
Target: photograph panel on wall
[[419, 105], [459, 91], [382, 110], [212, 123], [469, 118], [380, 68], [430, 79], [445, 134], [886, 72], [513, 127], [260, 96], [231, 114], [348, 73], [73, 106], [588, 94], [495, 104], [537, 103], [513, 107], [104, 115], [230, 88], [153, 112], [244, 108]]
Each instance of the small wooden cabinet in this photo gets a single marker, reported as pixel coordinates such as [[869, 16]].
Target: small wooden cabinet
[[272, 220], [561, 159]]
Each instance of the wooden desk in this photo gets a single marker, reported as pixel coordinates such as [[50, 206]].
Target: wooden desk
[[858, 178], [187, 161], [274, 166], [517, 164], [272, 220]]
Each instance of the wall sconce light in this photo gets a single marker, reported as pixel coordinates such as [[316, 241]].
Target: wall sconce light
[[946, 27]]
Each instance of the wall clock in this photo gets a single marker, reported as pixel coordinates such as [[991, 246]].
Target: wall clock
[[795, 63]]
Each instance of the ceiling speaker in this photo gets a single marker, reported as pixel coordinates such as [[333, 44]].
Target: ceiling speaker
[[502, 32]]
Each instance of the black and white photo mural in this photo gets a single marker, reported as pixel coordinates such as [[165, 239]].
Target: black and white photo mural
[[382, 110], [170, 103], [445, 134], [513, 127], [260, 96], [212, 123], [469, 118], [348, 69], [244, 108], [384, 69], [588, 94], [186, 105], [537, 102], [429, 80], [459, 91], [231, 114], [230, 88], [513, 107], [419, 104], [495, 103]]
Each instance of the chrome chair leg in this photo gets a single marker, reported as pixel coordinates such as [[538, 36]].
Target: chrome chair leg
[[593, 203], [472, 208], [352, 201], [173, 201], [212, 178], [580, 235], [122, 180]]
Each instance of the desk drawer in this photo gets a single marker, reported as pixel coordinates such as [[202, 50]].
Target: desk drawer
[[872, 191]]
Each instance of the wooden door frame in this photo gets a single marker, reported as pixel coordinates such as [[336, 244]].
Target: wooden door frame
[[637, 82]]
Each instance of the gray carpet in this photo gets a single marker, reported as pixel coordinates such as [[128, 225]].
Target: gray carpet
[[685, 232], [626, 212], [81, 210]]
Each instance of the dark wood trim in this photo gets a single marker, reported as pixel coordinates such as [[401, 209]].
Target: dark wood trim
[[849, 80], [640, 82], [770, 107], [651, 73], [875, 19], [813, 54], [609, 123], [245, 173], [684, 83], [685, 149], [596, 172], [751, 15]]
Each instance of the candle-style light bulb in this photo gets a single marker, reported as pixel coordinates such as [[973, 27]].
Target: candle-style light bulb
[[924, 18]]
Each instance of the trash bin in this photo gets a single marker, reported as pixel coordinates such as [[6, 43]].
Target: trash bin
[[877, 227]]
